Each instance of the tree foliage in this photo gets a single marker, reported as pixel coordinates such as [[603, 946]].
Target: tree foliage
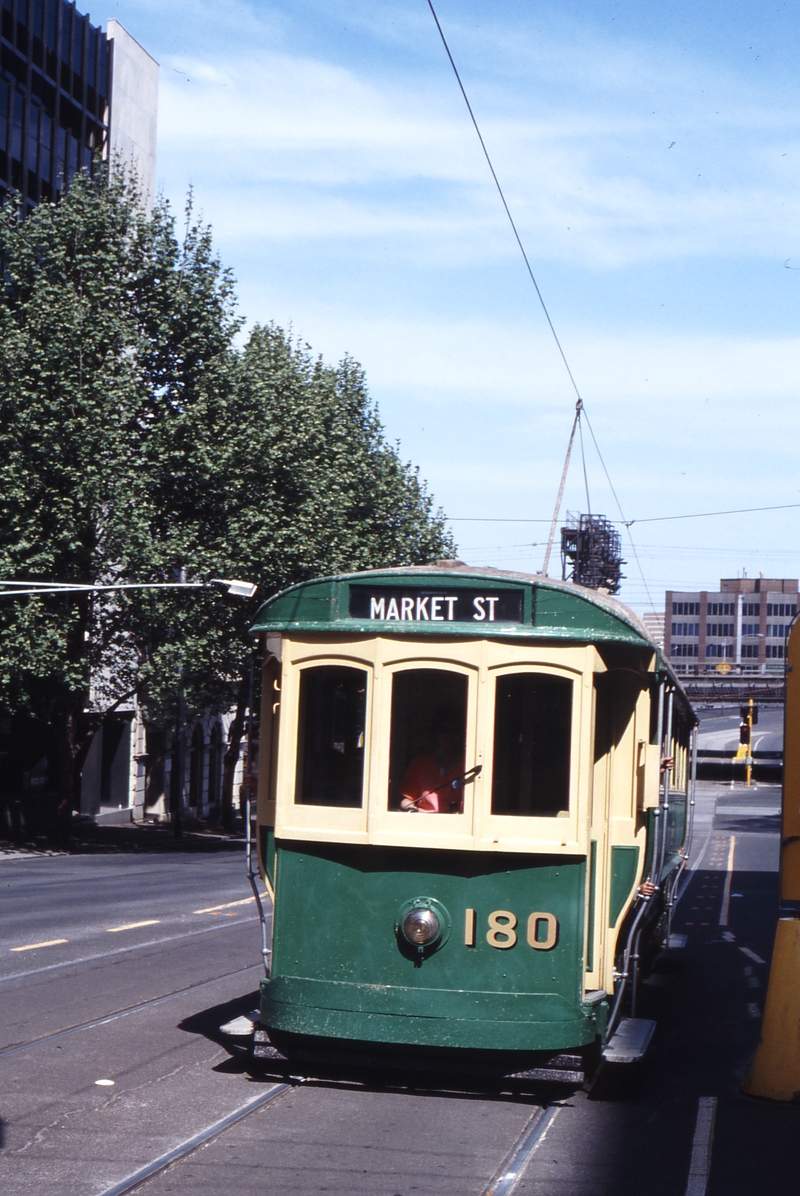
[[138, 442]]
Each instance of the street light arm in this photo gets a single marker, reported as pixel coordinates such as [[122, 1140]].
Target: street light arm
[[239, 589]]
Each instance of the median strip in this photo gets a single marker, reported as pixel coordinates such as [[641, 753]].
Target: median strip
[[35, 946], [133, 925], [212, 909]]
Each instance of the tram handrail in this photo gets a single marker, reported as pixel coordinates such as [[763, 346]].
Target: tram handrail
[[251, 876]]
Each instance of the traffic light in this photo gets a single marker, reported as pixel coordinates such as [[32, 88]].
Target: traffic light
[[749, 714], [744, 733]]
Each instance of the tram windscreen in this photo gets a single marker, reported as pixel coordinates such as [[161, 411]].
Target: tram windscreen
[[532, 725], [428, 736], [330, 737]]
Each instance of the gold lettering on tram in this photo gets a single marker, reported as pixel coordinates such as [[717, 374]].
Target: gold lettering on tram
[[506, 928], [541, 931], [551, 937]]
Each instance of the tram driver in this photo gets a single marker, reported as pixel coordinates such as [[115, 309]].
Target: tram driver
[[432, 783]]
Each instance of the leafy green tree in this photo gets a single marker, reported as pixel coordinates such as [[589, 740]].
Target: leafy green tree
[[138, 443]]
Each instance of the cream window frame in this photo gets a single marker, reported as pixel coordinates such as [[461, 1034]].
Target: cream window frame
[[399, 828], [330, 824], [562, 834]]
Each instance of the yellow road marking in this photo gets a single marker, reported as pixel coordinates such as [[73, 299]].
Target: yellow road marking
[[726, 893], [35, 946], [133, 925], [212, 909]]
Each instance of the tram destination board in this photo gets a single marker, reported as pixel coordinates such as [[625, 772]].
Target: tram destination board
[[424, 604]]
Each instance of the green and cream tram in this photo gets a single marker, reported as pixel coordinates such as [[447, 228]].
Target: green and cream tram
[[465, 778]]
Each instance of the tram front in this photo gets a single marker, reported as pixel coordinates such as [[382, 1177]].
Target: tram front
[[451, 827]]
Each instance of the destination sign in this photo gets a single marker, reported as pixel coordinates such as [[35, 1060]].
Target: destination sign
[[407, 605]]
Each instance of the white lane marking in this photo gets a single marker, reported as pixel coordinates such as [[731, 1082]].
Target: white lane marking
[[172, 938], [35, 946], [752, 955], [700, 1164], [726, 894], [212, 909], [105, 1083], [132, 925], [753, 982], [753, 1010]]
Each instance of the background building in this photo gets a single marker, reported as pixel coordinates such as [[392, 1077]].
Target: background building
[[67, 91], [654, 622], [743, 626]]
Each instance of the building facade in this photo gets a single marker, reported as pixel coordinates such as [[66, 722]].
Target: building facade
[[69, 91], [741, 627]]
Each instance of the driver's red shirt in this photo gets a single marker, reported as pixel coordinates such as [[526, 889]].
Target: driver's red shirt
[[425, 774]]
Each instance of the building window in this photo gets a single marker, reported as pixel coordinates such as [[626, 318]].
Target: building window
[[749, 628], [749, 651], [777, 630], [686, 608], [683, 650], [685, 628], [715, 630], [781, 610], [751, 609], [774, 651], [720, 608]]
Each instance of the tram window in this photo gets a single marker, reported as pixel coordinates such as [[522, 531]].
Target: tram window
[[330, 737], [428, 739], [532, 722]]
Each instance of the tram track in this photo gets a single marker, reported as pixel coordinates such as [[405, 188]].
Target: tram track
[[138, 1177], [513, 1166], [503, 1182], [17, 1048]]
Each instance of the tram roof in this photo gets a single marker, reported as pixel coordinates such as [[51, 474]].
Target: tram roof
[[525, 606]]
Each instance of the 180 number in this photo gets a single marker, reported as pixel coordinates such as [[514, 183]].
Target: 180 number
[[541, 931]]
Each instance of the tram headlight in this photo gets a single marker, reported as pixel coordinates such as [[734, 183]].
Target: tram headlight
[[421, 926]]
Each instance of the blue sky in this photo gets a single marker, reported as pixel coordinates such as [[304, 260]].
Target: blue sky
[[651, 159]]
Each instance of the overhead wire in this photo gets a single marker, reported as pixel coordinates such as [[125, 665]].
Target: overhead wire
[[580, 406], [787, 506], [503, 200]]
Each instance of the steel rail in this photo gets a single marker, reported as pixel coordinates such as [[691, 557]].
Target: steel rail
[[178, 1152], [510, 1173], [174, 938], [112, 1017]]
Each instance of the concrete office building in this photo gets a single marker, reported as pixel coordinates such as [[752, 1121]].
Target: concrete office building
[[741, 627], [68, 91]]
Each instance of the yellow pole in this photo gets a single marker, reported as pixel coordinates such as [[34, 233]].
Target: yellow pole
[[748, 773], [775, 1071]]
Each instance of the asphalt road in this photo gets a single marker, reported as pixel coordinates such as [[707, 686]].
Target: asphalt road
[[174, 1074], [719, 729]]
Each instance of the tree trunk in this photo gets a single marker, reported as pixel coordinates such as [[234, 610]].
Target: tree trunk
[[231, 758], [67, 754]]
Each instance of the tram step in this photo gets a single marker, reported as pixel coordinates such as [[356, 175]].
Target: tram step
[[630, 1041], [556, 1075]]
